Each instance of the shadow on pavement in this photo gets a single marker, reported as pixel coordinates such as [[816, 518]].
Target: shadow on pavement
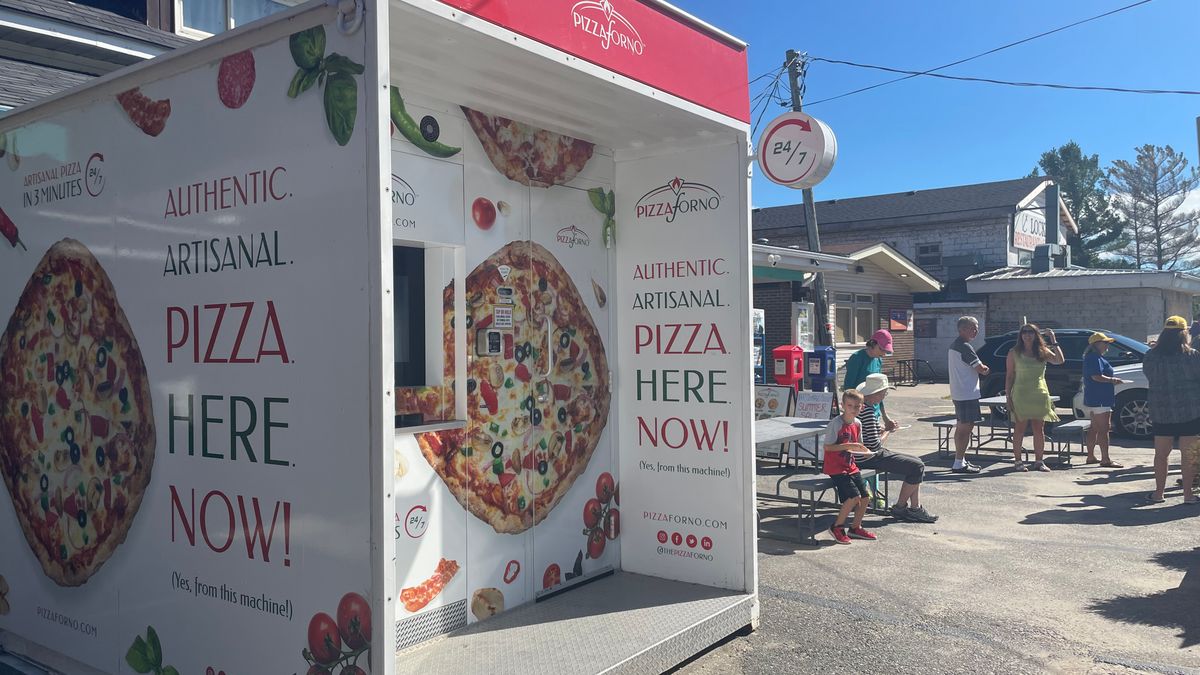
[[779, 534], [1123, 510], [1125, 475], [1174, 607]]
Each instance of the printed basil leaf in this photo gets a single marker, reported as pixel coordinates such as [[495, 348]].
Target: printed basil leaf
[[294, 86], [309, 79], [610, 204], [136, 656], [170, 670], [598, 199], [308, 46], [341, 106], [336, 63], [153, 647]]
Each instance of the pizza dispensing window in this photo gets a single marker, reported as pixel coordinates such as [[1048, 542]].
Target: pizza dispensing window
[[424, 390]]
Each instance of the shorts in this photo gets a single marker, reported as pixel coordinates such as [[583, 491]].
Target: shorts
[[968, 411], [1177, 429], [1092, 411], [849, 486]]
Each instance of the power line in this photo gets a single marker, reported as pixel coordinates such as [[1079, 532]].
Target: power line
[[912, 74], [1047, 85], [764, 98]]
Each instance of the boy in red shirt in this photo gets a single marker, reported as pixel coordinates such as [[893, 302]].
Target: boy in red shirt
[[843, 440]]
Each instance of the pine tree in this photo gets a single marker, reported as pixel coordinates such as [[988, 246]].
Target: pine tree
[[1081, 184], [1148, 193]]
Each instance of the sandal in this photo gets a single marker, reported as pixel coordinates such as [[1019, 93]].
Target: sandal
[[1041, 466], [1111, 465], [1154, 500], [1020, 466], [1093, 460]]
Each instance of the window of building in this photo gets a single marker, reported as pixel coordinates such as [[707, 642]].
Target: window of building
[[209, 17], [423, 395], [929, 254], [854, 317]]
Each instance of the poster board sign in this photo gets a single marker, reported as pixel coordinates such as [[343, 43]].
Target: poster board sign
[[814, 404], [684, 457], [772, 400], [183, 474]]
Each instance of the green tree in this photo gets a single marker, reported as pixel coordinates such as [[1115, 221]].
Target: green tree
[[1149, 193], [1081, 186]]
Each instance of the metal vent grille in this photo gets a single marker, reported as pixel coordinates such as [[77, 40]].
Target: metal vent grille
[[417, 629]]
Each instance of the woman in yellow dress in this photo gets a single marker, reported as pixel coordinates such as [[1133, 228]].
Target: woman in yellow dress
[[1029, 402]]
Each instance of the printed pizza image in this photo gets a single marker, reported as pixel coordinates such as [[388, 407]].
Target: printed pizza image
[[76, 423], [537, 408], [527, 154]]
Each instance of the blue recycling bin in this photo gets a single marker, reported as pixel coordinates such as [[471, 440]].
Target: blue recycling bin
[[820, 366]]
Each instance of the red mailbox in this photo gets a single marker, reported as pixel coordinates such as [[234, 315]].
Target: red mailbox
[[789, 365]]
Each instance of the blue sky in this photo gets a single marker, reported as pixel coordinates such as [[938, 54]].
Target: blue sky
[[925, 133]]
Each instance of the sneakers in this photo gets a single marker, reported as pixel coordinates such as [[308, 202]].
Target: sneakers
[[839, 534], [920, 515], [967, 467], [859, 533], [899, 512]]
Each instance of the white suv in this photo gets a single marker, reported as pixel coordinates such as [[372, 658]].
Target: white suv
[[1131, 415]]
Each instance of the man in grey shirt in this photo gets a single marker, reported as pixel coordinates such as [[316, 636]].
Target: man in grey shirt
[[965, 368]]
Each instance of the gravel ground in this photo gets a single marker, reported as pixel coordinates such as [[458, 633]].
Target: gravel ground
[[1068, 572]]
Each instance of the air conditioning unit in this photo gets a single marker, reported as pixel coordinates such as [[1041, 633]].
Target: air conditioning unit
[[1047, 257]]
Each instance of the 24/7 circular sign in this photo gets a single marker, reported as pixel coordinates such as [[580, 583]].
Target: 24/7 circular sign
[[797, 150]]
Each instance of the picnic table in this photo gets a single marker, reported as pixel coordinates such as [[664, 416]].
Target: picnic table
[[1002, 431], [783, 437]]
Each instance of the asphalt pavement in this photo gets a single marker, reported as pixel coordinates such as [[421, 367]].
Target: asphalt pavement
[[1071, 571]]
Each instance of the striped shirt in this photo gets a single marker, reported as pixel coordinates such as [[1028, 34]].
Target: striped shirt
[[869, 420]]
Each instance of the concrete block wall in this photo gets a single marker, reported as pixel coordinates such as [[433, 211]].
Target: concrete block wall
[[934, 348], [987, 238], [1135, 312]]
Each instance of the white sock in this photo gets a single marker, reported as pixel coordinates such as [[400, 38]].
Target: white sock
[[958, 463]]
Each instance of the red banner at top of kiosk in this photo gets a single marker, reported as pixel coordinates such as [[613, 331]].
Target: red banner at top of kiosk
[[637, 39]]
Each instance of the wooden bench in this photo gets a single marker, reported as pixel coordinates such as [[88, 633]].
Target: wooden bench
[[1063, 435], [815, 486]]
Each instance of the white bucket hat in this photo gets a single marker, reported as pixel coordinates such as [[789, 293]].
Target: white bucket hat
[[876, 382]]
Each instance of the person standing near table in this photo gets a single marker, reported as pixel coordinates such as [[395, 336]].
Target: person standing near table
[[1099, 398], [965, 368], [1025, 388], [1172, 369], [866, 361]]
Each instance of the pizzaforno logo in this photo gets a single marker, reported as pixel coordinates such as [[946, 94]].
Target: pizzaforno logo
[[573, 236], [678, 197], [600, 18]]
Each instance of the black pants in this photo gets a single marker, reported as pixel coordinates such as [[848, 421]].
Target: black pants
[[910, 467]]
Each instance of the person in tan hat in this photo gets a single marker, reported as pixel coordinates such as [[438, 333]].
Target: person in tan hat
[[910, 468], [1099, 397], [1172, 369]]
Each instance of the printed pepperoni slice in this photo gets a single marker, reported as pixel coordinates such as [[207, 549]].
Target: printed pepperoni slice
[[146, 114], [235, 79]]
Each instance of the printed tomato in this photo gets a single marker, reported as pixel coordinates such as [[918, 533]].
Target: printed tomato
[[323, 639], [605, 487], [483, 211], [552, 577], [593, 511], [354, 620], [612, 523], [595, 544]]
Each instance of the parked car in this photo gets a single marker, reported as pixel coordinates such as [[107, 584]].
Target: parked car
[[1063, 381], [1131, 415]]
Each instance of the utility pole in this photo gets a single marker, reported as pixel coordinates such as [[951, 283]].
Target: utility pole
[[820, 307]]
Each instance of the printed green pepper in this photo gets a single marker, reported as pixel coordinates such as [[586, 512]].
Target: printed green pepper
[[409, 128]]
